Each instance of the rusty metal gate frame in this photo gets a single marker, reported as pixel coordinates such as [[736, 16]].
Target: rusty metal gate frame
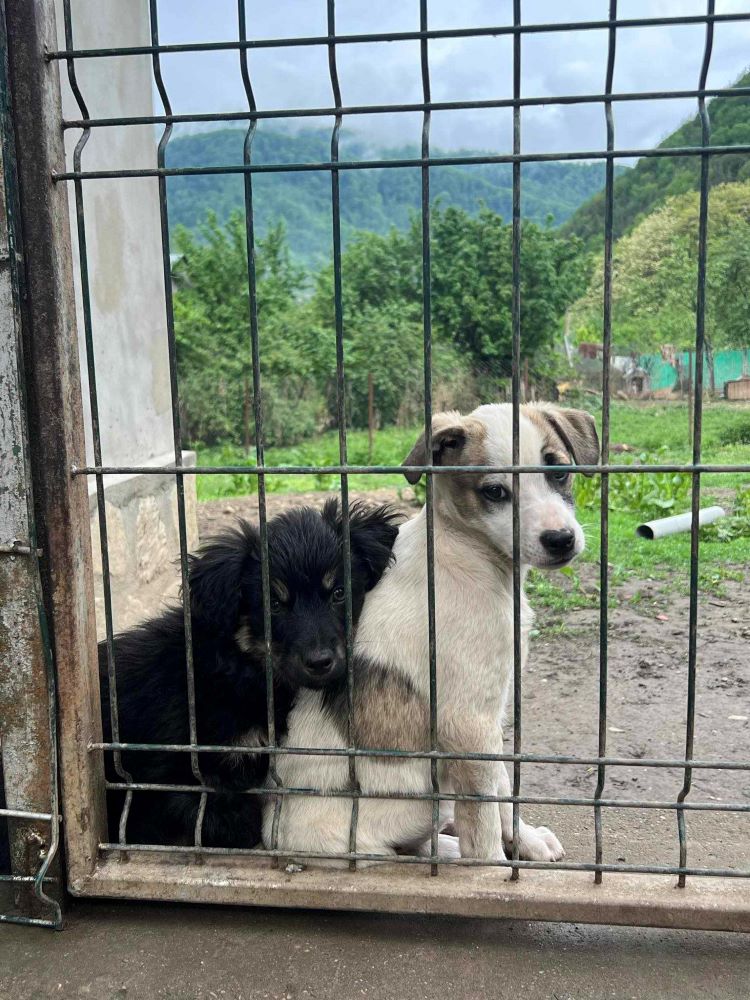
[[29, 809], [572, 891]]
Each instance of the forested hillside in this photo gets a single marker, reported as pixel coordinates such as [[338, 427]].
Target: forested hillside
[[372, 200], [656, 268], [654, 179], [383, 329]]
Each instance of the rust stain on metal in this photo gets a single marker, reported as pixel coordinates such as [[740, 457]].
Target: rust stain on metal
[[56, 420]]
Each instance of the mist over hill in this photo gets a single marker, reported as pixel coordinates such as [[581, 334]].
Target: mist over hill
[[371, 199]]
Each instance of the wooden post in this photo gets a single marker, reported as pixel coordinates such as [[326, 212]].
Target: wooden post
[[246, 412], [370, 416]]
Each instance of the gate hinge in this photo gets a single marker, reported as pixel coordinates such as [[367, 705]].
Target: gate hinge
[[17, 548]]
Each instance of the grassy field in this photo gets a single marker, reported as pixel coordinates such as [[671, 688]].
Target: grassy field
[[657, 431]]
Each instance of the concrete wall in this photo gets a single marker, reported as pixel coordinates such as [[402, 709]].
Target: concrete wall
[[124, 251]]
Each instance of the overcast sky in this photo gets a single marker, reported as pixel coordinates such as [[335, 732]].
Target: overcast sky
[[475, 69]]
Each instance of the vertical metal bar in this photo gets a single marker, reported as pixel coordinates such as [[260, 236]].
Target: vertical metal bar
[[516, 402], [429, 493], [700, 331], [609, 193], [172, 353], [54, 841], [95, 427], [258, 419], [341, 418]]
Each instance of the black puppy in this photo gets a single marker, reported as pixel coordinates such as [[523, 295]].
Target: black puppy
[[308, 649]]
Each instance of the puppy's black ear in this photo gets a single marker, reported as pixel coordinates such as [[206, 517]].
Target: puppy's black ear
[[372, 530], [218, 572]]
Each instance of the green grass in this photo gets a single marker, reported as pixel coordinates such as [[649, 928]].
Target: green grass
[[657, 431], [390, 448]]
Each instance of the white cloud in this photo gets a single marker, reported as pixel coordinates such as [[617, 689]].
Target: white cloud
[[660, 58]]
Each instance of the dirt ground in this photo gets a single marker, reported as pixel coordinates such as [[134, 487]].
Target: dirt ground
[[647, 697]]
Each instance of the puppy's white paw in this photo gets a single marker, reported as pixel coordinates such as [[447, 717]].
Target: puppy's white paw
[[448, 847], [486, 849], [537, 843]]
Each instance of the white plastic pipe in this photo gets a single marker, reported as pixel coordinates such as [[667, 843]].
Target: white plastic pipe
[[678, 522]]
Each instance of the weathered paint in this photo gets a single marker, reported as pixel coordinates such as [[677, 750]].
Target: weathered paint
[[55, 422], [26, 736]]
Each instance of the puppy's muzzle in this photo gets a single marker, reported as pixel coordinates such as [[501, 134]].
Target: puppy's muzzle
[[560, 545], [320, 664]]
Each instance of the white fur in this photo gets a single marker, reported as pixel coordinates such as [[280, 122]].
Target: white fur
[[474, 628]]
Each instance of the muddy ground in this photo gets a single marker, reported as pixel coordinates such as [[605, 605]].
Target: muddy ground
[[647, 697]]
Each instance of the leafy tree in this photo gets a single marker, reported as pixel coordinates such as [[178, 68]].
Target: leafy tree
[[383, 329], [472, 284], [655, 272], [212, 332]]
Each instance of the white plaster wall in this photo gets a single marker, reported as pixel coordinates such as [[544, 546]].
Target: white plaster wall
[[123, 238]]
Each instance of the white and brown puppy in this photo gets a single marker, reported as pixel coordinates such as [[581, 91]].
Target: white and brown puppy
[[473, 544]]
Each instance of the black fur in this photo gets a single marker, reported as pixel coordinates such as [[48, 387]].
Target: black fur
[[305, 548]]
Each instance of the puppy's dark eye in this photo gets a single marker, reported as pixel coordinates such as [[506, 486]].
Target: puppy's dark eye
[[275, 605], [495, 493], [558, 477], [338, 595]]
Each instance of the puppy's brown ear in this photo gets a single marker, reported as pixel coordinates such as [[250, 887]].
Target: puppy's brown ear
[[448, 437], [576, 430]]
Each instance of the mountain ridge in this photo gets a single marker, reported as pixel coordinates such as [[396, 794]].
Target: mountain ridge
[[373, 199], [652, 180]]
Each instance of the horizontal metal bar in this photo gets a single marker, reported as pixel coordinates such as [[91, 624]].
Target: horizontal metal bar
[[24, 814], [351, 793], [25, 878], [529, 758], [396, 36], [410, 859], [6, 918], [413, 161], [386, 470], [414, 108]]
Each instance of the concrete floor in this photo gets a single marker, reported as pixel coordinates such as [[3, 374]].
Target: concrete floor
[[123, 951]]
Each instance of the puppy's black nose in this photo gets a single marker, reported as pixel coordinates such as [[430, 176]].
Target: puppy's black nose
[[558, 543], [319, 662]]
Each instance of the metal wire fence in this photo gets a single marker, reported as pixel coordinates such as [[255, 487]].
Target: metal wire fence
[[244, 46]]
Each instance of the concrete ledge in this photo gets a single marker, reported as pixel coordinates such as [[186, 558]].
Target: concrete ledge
[[645, 900], [142, 527]]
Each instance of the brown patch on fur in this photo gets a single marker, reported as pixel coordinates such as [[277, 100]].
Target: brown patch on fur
[[329, 579], [388, 713], [255, 737], [253, 645], [461, 487], [280, 590], [551, 443], [455, 441], [557, 424]]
